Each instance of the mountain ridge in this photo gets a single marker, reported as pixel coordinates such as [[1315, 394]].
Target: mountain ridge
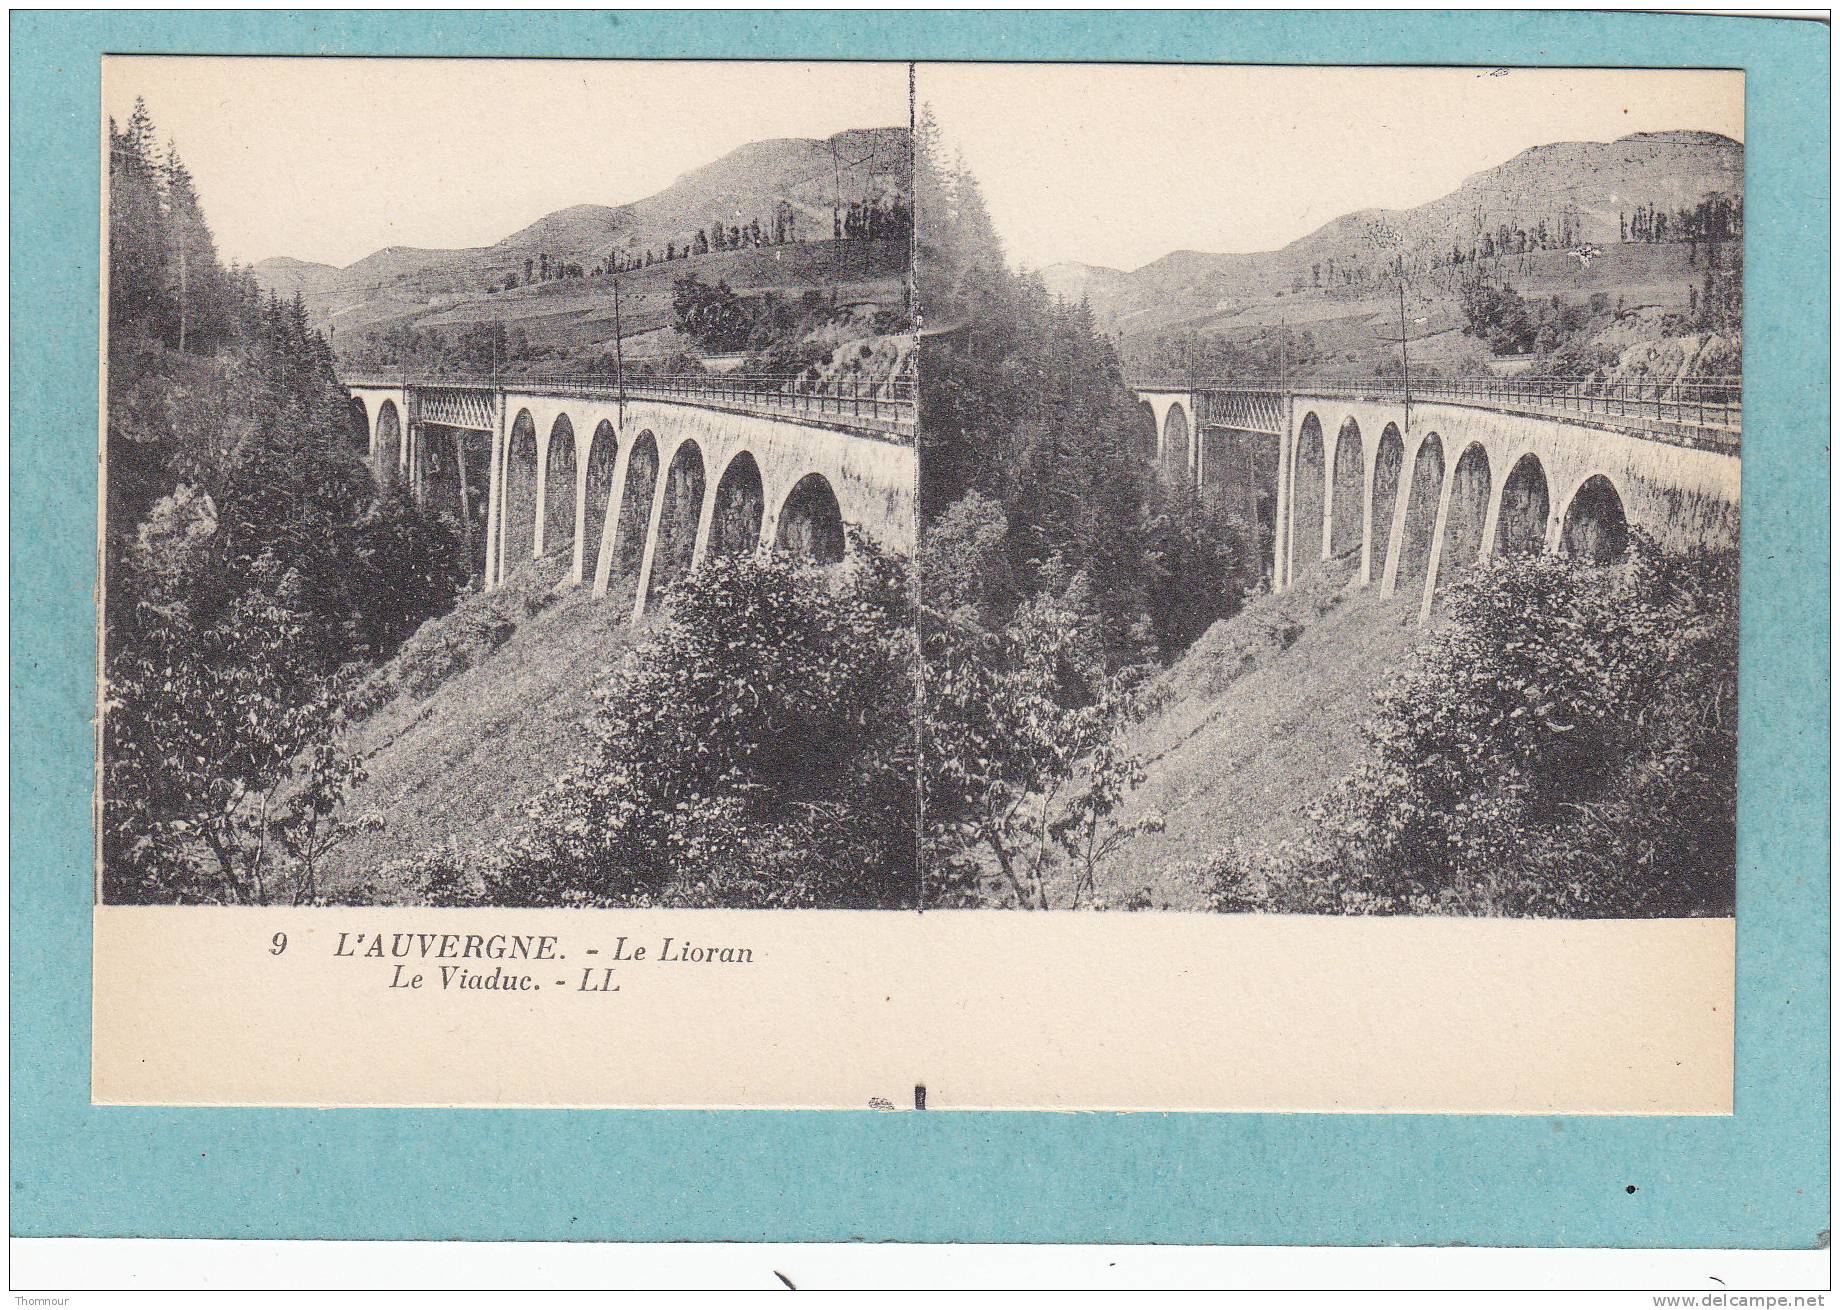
[[795, 187], [875, 137], [1583, 190]]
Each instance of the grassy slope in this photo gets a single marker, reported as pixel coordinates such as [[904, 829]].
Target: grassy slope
[[1351, 327], [578, 313], [452, 762], [1264, 716]]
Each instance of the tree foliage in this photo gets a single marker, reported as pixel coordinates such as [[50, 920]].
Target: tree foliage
[[758, 750], [248, 560], [713, 316], [1497, 314], [1565, 745], [1023, 402], [1055, 570], [1025, 770]]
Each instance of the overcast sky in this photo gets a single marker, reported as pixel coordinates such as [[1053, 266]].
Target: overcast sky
[[1121, 164], [331, 159]]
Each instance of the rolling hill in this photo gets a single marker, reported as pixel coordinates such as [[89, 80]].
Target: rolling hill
[[1332, 281], [787, 186]]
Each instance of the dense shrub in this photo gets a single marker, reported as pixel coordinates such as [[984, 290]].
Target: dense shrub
[[757, 750], [449, 644], [1566, 744]]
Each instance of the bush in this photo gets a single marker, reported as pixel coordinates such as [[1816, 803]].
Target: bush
[[1026, 766], [1565, 745], [1498, 315], [454, 642], [713, 316], [756, 751], [399, 550], [1195, 568]]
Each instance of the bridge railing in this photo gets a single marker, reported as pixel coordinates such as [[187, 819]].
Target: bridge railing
[[883, 405], [1711, 404]]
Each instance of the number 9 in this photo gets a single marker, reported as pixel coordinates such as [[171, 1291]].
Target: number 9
[[277, 944]]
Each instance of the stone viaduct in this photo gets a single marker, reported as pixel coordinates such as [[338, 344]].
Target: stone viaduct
[[641, 482], [1422, 486]]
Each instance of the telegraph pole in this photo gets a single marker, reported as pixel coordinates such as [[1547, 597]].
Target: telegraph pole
[[619, 354], [1405, 370], [836, 220]]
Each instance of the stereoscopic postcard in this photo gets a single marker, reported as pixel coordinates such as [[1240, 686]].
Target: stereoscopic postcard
[[643, 583]]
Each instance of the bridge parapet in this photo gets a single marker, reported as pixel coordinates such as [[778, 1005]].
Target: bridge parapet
[[1705, 414], [885, 408]]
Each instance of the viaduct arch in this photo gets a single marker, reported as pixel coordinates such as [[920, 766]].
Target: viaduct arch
[[1424, 491], [1172, 416], [638, 492]]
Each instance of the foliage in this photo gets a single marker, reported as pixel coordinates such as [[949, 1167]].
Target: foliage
[[164, 279], [448, 644], [964, 561], [397, 550], [712, 316], [1194, 569], [248, 561], [1498, 314], [1566, 745], [1023, 402], [1024, 764], [757, 750], [1716, 217], [1510, 324], [1054, 567], [470, 349], [1268, 352], [783, 337], [1717, 304], [223, 778]]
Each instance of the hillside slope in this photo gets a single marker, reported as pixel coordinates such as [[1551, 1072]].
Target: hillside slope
[[792, 183], [1264, 716], [576, 316], [1583, 189], [748, 183], [480, 711]]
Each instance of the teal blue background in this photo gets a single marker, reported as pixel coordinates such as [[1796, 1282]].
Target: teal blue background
[[1756, 1179]]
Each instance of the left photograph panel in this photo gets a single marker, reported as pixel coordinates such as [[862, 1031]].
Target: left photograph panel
[[509, 484]]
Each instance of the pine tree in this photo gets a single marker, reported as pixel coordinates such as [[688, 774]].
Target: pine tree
[[196, 287], [138, 243]]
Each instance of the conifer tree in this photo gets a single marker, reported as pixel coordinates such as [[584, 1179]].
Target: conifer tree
[[248, 556]]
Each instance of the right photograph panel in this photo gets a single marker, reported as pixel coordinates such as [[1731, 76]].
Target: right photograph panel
[[1329, 486]]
